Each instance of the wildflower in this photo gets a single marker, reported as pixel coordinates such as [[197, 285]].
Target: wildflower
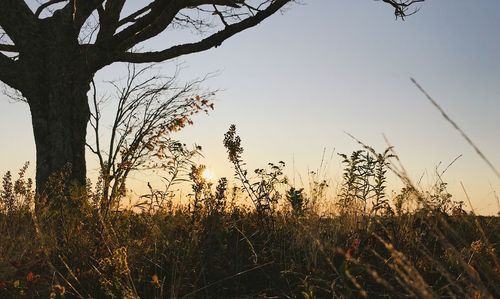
[[353, 249], [477, 246], [30, 277], [155, 280], [57, 291]]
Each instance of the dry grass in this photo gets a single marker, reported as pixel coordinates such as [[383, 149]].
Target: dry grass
[[218, 250]]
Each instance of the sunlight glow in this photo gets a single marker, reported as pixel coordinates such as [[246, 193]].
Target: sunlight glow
[[208, 175]]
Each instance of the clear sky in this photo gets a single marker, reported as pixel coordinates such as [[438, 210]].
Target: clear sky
[[296, 82]]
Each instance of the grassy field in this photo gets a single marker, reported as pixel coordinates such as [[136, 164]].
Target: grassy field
[[414, 244]]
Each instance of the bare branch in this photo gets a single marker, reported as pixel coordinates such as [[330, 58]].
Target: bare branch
[[214, 40], [10, 73], [230, 3], [77, 12], [133, 16], [401, 7], [155, 21], [94, 122], [45, 5], [109, 18], [148, 110], [8, 48], [18, 21], [220, 15]]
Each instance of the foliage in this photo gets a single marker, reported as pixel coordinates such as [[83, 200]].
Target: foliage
[[16, 195], [226, 253], [149, 108], [297, 200], [263, 191], [212, 249], [364, 182]]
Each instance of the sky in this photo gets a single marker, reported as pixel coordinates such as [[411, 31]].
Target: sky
[[296, 83]]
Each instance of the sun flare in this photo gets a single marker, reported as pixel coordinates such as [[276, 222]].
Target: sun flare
[[208, 175]]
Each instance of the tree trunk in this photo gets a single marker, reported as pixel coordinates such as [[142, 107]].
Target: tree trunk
[[57, 79], [60, 118]]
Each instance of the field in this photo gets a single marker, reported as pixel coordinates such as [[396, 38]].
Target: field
[[414, 244], [120, 200]]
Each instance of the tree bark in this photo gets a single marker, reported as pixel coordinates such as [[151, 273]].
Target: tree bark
[[57, 79], [59, 117]]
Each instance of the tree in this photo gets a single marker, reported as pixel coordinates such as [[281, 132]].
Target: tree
[[148, 108], [54, 60], [50, 52]]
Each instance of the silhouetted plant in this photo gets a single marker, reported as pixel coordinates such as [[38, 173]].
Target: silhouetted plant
[[439, 200], [402, 200], [263, 192], [217, 203], [204, 198], [318, 187], [267, 183], [364, 182], [297, 200], [380, 201], [18, 194], [199, 186], [176, 166], [7, 195], [149, 108]]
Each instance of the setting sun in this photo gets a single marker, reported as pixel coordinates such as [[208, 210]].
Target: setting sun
[[208, 175]]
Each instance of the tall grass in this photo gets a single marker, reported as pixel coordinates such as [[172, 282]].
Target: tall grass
[[416, 243]]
